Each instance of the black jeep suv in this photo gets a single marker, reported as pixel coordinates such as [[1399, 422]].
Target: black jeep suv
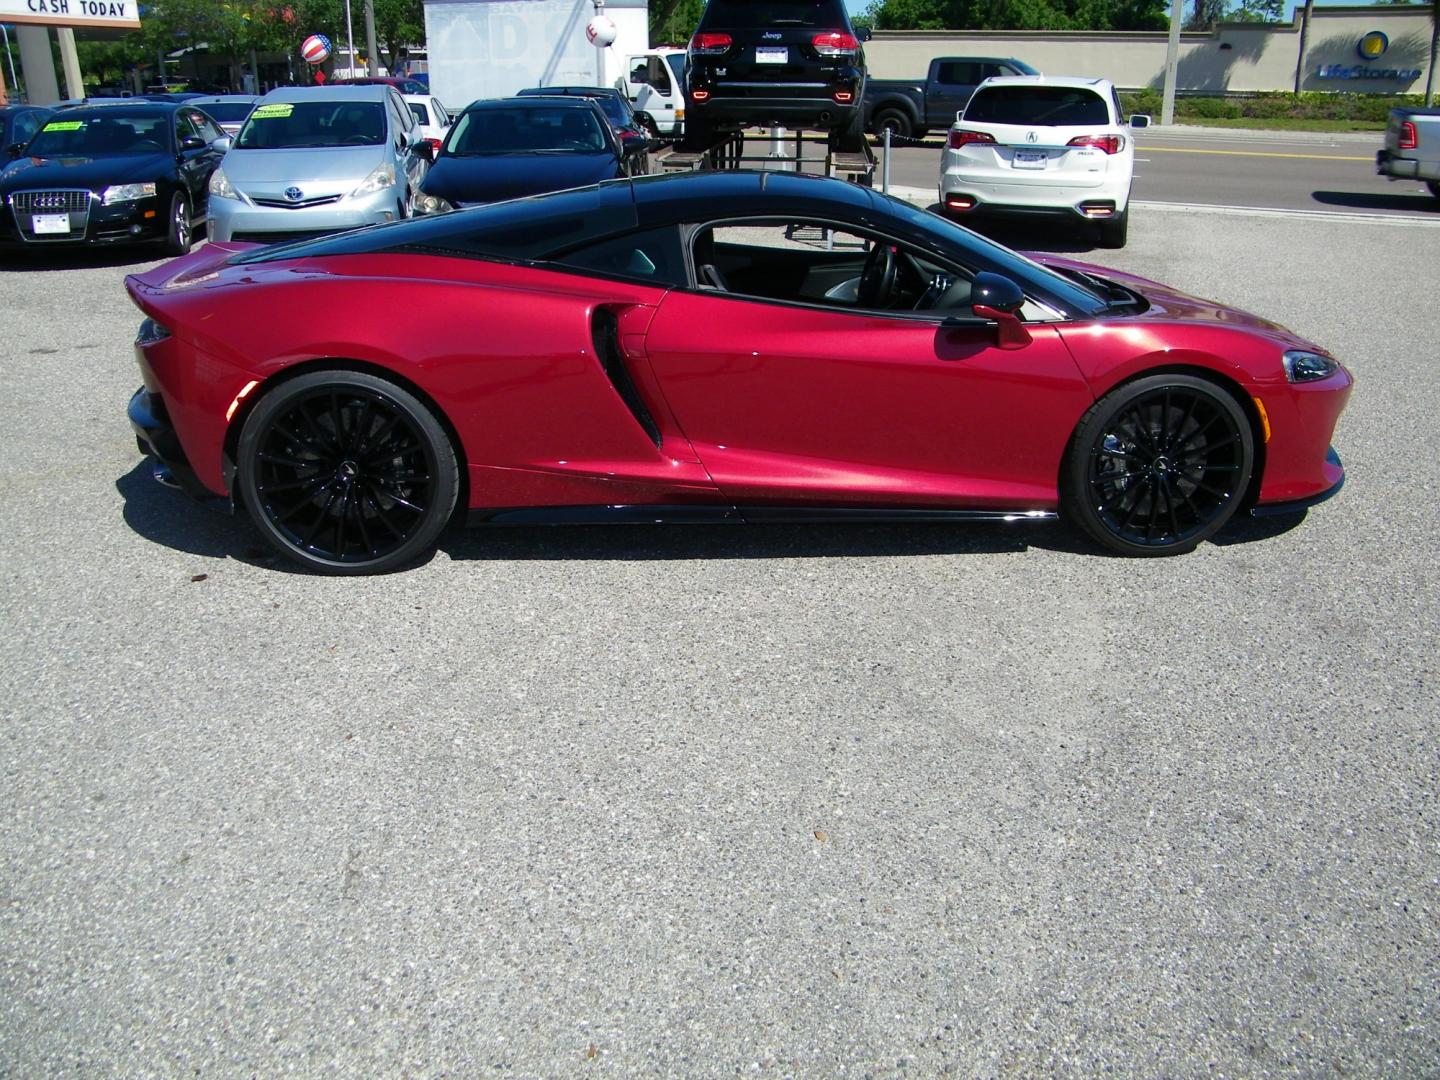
[[761, 62]]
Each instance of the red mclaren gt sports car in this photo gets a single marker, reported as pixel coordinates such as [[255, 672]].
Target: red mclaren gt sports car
[[725, 346]]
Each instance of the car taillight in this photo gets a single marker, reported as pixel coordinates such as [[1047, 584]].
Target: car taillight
[[699, 95], [434, 145], [708, 44], [843, 97], [966, 138], [836, 43], [1111, 144], [1408, 140]]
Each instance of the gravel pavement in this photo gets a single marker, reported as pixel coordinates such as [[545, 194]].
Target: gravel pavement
[[822, 801]]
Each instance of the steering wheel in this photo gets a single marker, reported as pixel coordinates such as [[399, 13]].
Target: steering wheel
[[877, 280]]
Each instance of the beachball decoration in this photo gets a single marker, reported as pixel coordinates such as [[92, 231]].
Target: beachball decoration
[[315, 49], [600, 31]]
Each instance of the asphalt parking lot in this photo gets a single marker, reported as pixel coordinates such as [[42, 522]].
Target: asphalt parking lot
[[859, 800]]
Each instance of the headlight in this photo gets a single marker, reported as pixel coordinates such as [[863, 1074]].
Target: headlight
[[1304, 366], [382, 178], [432, 204], [127, 193], [220, 186]]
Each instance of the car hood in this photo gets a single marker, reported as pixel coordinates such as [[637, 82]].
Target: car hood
[[495, 177], [84, 172], [1170, 303], [335, 164]]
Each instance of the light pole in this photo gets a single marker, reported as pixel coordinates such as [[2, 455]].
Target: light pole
[[1172, 56], [350, 40]]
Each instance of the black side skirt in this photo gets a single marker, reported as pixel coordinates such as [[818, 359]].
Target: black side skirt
[[689, 514]]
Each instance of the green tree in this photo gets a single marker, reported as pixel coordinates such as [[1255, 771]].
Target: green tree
[[1019, 14]]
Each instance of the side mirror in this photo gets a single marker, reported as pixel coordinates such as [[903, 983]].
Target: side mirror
[[424, 151], [997, 298], [192, 142], [13, 150], [1140, 120], [862, 33], [223, 143]]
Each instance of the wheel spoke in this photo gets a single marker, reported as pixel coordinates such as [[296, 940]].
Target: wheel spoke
[[1170, 508], [382, 517], [310, 482], [314, 529], [287, 462]]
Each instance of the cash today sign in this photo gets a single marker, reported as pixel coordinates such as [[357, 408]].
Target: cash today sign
[[117, 14]]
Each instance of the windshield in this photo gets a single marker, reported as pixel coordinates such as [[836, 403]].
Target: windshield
[[103, 136], [228, 112], [292, 125], [751, 14], [1040, 106], [525, 130]]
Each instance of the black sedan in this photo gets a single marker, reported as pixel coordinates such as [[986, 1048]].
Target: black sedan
[[18, 125], [112, 174], [511, 147]]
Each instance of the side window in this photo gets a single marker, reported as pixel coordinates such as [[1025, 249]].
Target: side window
[[957, 73], [184, 127], [1119, 112], [988, 71], [659, 77], [26, 124], [417, 108], [204, 126], [654, 256]]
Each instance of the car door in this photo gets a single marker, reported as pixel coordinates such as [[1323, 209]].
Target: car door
[[402, 128], [807, 396], [193, 163], [207, 158], [955, 81]]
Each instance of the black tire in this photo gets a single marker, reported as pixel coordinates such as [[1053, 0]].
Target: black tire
[[1113, 233], [1434, 186], [1157, 466], [850, 139], [895, 120], [698, 135], [347, 473], [179, 233]]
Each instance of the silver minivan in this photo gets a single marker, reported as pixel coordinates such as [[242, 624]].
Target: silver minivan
[[313, 159]]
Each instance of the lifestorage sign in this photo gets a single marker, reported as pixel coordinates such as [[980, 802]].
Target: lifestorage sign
[[117, 14]]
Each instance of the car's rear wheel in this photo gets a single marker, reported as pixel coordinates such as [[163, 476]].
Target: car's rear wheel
[[892, 120], [178, 235], [698, 135], [850, 139], [1434, 186], [1115, 232], [347, 473], [1158, 466]]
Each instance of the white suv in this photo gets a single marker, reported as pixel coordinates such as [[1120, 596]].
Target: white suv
[[1041, 146]]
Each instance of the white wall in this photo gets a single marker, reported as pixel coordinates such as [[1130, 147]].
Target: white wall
[[1258, 57], [492, 48]]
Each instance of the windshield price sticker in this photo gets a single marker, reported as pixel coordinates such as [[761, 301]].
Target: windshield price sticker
[[272, 112], [65, 125]]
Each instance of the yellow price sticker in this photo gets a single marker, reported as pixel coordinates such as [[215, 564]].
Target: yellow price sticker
[[64, 125], [272, 112]]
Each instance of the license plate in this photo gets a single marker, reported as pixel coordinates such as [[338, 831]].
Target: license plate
[[1030, 159], [771, 55], [45, 224]]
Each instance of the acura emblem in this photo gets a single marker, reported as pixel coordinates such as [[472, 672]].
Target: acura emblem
[[1030, 136], [294, 194]]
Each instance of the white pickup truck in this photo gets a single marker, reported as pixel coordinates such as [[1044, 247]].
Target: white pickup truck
[[1412, 147]]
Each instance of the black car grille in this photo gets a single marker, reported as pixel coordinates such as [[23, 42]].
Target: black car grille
[[302, 204], [51, 202], [273, 237], [28, 205]]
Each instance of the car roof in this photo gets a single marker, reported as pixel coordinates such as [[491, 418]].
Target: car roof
[[1077, 82], [535, 102], [662, 199], [211, 99], [569, 91], [329, 93], [139, 108]]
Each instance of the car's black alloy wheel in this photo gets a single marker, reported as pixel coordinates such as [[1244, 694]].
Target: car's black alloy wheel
[[347, 473], [1158, 466], [178, 237]]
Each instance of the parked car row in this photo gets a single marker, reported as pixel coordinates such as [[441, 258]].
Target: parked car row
[[298, 162]]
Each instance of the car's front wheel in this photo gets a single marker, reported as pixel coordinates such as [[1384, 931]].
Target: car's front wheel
[[1158, 465], [347, 473], [178, 236], [1434, 186]]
